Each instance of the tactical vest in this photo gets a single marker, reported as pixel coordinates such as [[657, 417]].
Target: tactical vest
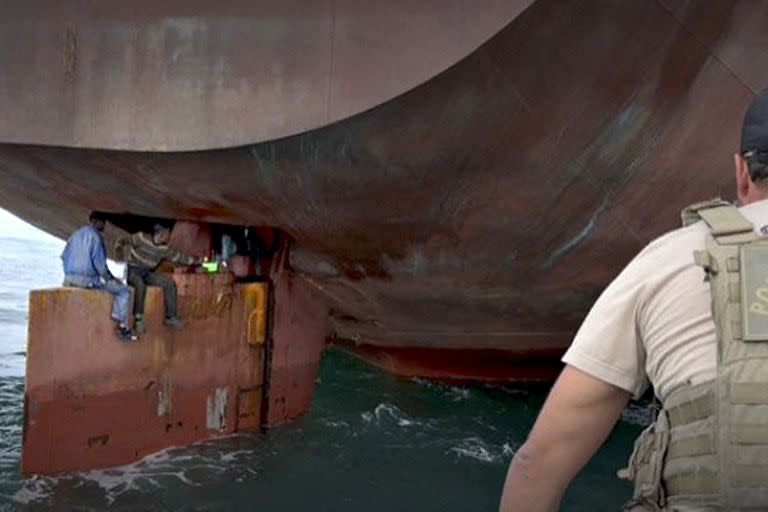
[[709, 444]]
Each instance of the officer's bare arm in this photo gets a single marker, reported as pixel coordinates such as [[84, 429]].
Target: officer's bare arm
[[577, 417]]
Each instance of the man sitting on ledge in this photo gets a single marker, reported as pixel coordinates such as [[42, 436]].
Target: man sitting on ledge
[[85, 266], [143, 253]]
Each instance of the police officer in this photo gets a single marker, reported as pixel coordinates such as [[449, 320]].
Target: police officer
[[689, 316]]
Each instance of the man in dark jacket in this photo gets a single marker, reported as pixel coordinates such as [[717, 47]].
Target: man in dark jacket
[[143, 253]]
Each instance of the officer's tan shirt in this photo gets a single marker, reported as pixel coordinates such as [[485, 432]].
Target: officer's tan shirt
[[654, 321]]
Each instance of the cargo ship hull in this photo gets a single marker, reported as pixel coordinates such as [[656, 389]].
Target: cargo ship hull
[[477, 207]]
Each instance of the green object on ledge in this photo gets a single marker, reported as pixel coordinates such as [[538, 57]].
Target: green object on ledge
[[211, 266]]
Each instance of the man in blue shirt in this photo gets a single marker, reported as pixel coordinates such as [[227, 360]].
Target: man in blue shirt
[[85, 266]]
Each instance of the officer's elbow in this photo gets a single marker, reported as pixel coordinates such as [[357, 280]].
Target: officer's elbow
[[529, 460], [529, 486]]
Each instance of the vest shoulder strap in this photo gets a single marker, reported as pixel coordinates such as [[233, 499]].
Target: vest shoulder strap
[[726, 223], [690, 215]]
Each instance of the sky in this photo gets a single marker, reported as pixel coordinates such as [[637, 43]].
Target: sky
[[13, 227]]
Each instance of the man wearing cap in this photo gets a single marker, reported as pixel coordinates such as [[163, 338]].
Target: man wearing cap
[[143, 253], [85, 266], [672, 319]]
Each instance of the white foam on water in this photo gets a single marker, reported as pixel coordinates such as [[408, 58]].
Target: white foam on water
[[151, 472], [236, 455], [458, 394], [334, 423], [34, 489], [509, 390], [385, 413], [113, 481], [476, 448], [453, 393]]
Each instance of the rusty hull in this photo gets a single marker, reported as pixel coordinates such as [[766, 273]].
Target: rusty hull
[[239, 364], [484, 209], [94, 401], [200, 74]]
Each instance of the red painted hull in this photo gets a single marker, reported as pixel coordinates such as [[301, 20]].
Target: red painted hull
[[461, 365], [238, 365]]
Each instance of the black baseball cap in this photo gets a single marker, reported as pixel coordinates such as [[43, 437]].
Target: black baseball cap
[[754, 131]]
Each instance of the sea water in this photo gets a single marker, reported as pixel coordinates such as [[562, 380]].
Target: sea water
[[371, 441]]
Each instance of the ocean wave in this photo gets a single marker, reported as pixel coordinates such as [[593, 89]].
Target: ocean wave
[[388, 413], [512, 390], [333, 423], [195, 466], [476, 448], [35, 490], [453, 393], [113, 482], [17, 316]]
